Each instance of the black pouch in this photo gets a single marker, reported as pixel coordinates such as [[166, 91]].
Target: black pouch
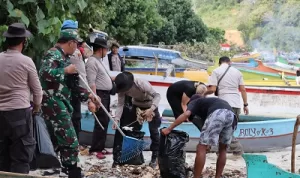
[[217, 91], [113, 91]]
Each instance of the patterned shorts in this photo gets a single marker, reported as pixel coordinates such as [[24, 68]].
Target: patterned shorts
[[218, 125]]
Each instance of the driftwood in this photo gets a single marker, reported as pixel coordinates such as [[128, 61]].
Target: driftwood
[[17, 175], [296, 127]]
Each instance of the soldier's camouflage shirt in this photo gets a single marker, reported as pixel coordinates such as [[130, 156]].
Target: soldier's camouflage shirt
[[54, 80]]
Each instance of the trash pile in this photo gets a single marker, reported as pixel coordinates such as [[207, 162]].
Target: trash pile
[[209, 172], [144, 171], [126, 171]]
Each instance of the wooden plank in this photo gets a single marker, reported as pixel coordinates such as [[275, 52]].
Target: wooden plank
[[17, 175]]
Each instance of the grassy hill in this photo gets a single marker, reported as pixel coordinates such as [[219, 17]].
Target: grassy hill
[[264, 23]]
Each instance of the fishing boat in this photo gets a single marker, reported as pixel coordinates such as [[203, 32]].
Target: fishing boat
[[274, 108], [245, 57], [256, 76], [158, 61], [258, 166], [263, 101], [282, 62], [265, 135], [142, 53]]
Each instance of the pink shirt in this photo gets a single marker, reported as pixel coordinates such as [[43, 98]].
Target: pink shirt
[[18, 78]]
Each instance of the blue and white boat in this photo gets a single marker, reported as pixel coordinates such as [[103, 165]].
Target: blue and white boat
[[255, 136], [270, 125]]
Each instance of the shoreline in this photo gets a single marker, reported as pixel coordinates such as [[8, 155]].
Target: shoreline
[[235, 166]]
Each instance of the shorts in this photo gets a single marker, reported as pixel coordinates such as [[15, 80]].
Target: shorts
[[218, 127]]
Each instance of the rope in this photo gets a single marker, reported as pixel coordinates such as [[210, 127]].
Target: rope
[[140, 118]]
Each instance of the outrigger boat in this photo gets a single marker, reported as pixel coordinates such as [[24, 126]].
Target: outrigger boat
[[263, 101], [258, 166], [270, 128], [265, 135]]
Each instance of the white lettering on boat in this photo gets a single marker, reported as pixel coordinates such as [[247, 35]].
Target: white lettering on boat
[[254, 132]]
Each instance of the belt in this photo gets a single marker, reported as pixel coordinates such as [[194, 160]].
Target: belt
[[103, 91]]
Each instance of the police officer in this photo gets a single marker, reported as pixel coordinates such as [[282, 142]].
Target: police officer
[[56, 106], [145, 98], [101, 83], [18, 78]]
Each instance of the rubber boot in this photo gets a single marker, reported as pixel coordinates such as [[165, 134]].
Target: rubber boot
[[153, 162], [75, 173]]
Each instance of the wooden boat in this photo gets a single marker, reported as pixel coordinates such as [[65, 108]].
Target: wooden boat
[[263, 101], [245, 57], [258, 166], [289, 62], [195, 75], [282, 62], [174, 57], [265, 68], [253, 76], [265, 135], [251, 63]]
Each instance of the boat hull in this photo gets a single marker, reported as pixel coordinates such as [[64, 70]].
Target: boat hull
[[263, 101], [258, 166], [254, 136]]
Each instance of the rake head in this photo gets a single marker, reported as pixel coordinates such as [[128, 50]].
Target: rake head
[[132, 147]]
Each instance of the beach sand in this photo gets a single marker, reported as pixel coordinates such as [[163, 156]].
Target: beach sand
[[235, 166]]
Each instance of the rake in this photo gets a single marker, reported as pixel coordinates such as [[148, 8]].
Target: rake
[[131, 147]]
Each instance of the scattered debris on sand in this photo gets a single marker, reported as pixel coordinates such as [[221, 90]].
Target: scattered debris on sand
[[144, 171]]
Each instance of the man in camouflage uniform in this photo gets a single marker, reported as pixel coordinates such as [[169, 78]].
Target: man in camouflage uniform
[[77, 59], [57, 84]]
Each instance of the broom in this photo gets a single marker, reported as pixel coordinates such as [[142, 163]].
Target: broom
[[131, 147]]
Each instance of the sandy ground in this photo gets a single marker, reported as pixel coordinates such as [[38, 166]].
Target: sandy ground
[[235, 166]]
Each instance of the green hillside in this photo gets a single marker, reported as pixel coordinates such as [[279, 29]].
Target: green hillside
[[264, 23]]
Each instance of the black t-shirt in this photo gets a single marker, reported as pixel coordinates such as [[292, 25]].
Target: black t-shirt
[[203, 107], [298, 73], [180, 87]]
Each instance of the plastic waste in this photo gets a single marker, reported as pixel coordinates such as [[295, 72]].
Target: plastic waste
[[171, 157], [45, 156], [128, 117]]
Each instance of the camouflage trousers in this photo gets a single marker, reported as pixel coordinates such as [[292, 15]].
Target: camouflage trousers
[[60, 127]]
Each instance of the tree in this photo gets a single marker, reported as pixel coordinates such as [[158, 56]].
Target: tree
[[133, 21], [43, 19], [166, 33], [216, 34], [188, 26]]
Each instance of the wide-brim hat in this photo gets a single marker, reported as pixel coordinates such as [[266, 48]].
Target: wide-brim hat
[[124, 81], [97, 40], [17, 30]]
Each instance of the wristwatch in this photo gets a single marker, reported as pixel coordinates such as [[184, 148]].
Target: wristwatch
[[245, 105]]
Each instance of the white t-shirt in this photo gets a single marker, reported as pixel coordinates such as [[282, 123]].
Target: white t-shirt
[[229, 85]]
